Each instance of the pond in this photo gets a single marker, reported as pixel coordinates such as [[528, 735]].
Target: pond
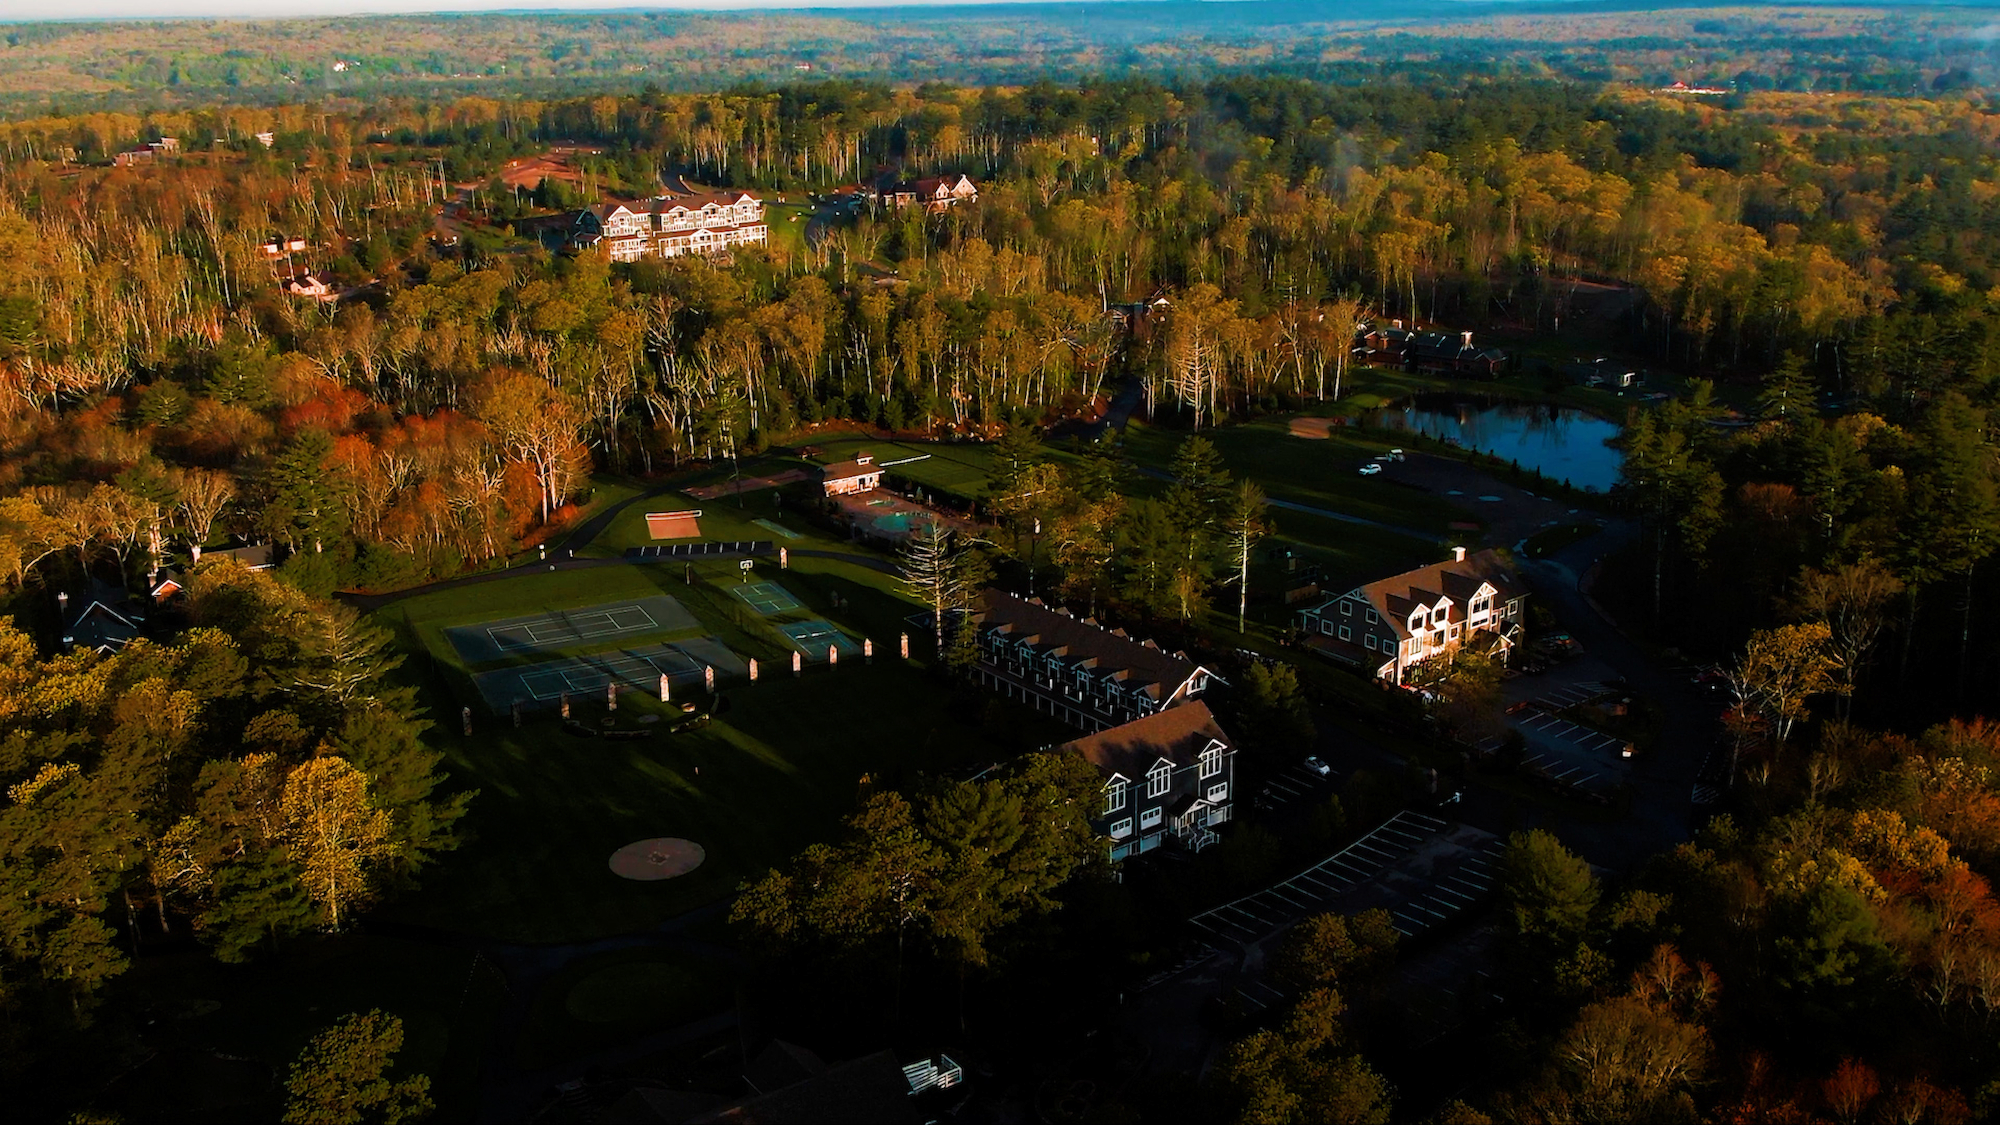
[[1561, 442]]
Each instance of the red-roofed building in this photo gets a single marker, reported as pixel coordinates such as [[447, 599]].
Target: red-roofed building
[[843, 478], [1075, 669], [1168, 776], [1392, 624]]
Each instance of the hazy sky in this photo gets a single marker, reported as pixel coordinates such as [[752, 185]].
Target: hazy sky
[[125, 9]]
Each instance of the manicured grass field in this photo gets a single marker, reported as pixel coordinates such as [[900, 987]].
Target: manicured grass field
[[722, 520], [615, 997], [779, 766], [1315, 471], [958, 468]]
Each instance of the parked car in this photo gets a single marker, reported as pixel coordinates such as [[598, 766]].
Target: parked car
[[1396, 453], [1314, 765], [1370, 469]]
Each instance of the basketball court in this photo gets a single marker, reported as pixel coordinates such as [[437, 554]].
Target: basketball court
[[560, 629], [812, 638], [584, 678], [767, 598]]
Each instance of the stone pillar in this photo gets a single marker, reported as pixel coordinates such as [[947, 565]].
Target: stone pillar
[[565, 705], [867, 650], [784, 558], [663, 687], [465, 717], [708, 677], [795, 665], [833, 656], [906, 646], [611, 696], [753, 669]]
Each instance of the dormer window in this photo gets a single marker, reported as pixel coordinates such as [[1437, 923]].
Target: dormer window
[[1211, 760], [1159, 780], [1114, 795]]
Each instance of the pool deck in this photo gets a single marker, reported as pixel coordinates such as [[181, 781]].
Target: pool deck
[[864, 509]]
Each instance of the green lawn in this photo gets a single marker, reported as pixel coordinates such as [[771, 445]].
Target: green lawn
[[613, 998], [958, 468], [722, 520], [784, 760], [1316, 471]]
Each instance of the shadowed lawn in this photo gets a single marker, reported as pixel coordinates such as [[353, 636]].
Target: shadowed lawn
[[612, 998], [1320, 472], [783, 761]]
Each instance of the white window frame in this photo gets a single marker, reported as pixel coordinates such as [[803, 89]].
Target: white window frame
[[1218, 792], [1121, 828], [1368, 641], [1346, 634], [1211, 762], [1347, 608], [1114, 798], [1150, 818], [1159, 782]]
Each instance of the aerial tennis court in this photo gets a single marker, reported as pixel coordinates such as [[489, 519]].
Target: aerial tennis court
[[767, 598], [584, 678], [812, 638], [560, 629]]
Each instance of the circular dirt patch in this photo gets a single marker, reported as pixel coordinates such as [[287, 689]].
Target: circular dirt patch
[[1317, 428], [663, 858]]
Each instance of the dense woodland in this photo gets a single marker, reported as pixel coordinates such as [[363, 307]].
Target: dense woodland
[[1830, 949]]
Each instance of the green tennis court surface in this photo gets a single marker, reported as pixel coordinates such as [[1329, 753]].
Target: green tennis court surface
[[813, 637], [583, 678], [567, 628], [766, 598]]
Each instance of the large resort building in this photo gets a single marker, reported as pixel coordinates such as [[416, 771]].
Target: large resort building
[[1075, 669], [1389, 626], [670, 226], [1170, 775]]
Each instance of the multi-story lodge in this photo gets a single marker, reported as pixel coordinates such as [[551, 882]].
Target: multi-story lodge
[[1390, 625], [669, 226], [1170, 775], [933, 193], [1075, 669]]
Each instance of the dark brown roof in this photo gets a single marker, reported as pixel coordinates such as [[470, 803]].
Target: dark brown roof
[[1178, 734], [1395, 597], [847, 470], [866, 1091], [1158, 673]]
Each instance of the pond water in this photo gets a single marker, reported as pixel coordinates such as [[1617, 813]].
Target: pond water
[[1561, 442]]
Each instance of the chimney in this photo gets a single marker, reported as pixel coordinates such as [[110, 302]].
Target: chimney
[[1458, 554], [1465, 339]]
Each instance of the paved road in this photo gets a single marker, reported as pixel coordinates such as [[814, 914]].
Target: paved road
[[1662, 811]]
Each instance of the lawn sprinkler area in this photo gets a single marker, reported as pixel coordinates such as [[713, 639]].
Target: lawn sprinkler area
[[561, 629], [813, 637], [767, 598], [684, 663]]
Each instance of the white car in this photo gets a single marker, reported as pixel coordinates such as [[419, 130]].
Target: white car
[[1396, 453], [1370, 469], [1314, 765]]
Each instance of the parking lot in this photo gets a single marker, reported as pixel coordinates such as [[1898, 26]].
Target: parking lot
[[1294, 783]]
